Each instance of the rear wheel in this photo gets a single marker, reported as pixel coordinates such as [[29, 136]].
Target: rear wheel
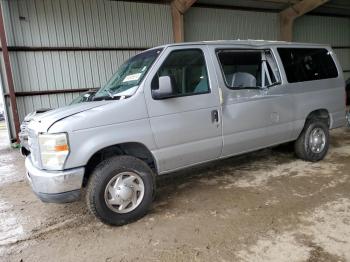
[[120, 190], [313, 142]]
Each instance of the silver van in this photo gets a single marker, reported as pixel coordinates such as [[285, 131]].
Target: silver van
[[180, 105]]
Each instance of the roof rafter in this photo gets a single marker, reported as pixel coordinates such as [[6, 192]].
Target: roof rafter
[[178, 9], [288, 16]]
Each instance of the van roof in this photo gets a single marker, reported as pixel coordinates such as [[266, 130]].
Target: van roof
[[249, 42]]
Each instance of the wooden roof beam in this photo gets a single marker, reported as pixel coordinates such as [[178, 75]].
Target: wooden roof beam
[[178, 9], [288, 16]]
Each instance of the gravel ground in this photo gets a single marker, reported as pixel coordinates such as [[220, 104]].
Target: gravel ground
[[263, 206]]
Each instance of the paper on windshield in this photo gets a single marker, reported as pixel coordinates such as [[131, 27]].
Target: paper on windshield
[[132, 77]]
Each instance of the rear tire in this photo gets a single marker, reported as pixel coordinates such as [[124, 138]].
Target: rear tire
[[120, 190], [313, 142]]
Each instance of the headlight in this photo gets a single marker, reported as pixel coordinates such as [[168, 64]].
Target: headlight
[[54, 150]]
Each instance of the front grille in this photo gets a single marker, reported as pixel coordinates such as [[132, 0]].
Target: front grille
[[24, 130], [24, 126], [34, 147]]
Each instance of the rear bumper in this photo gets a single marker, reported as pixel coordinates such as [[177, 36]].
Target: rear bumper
[[55, 186]]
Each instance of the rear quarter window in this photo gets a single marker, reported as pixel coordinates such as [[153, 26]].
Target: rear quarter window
[[307, 64]]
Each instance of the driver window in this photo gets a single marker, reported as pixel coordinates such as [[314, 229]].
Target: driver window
[[187, 71]]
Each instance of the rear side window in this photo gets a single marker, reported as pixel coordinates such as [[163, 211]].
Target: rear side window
[[307, 64], [241, 69], [248, 68]]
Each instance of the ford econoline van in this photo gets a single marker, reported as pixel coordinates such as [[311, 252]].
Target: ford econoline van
[[180, 105]]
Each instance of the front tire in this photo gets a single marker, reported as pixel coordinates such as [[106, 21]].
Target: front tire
[[313, 143], [120, 190]]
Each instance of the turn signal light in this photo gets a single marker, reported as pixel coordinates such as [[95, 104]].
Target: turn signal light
[[59, 148]]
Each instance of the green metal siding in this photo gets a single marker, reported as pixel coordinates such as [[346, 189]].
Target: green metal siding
[[334, 31], [215, 24]]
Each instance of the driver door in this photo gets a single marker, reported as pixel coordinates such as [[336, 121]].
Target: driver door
[[186, 125]]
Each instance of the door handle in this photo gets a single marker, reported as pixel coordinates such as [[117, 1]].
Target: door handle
[[215, 116]]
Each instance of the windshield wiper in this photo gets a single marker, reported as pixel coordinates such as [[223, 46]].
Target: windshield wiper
[[105, 97], [109, 93], [108, 97], [273, 84]]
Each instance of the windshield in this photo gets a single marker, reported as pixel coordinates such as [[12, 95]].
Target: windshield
[[129, 75]]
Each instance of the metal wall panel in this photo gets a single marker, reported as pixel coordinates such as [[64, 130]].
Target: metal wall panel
[[81, 24], [334, 31], [322, 29], [3, 75], [346, 75], [41, 71], [87, 23], [46, 101], [47, 70], [343, 56], [214, 24]]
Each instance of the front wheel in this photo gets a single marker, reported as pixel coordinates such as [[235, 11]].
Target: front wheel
[[120, 190], [313, 142]]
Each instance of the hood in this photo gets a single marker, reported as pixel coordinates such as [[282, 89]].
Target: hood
[[108, 115], [33, 114], [42, 122]]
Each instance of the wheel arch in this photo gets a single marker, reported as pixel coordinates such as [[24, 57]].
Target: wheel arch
[[321, 113], [135, 149]]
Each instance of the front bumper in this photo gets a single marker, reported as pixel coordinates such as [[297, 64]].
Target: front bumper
[[55, 186]]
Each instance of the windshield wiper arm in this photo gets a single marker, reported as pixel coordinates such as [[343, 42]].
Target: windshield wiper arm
[[114, 97], [273, 84], [109, 93], [106, 97]]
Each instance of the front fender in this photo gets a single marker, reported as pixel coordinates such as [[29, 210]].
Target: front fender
[[85, 143]]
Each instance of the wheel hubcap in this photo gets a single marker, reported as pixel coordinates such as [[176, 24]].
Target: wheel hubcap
[[124, 192], [317, 140]]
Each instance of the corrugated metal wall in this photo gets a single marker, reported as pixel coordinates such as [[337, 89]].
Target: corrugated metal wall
[[329, 30], [213, 24], [56, 70], [76, 23], [88, 23]]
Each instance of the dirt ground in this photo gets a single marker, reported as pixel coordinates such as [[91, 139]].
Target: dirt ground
[[263, 206]]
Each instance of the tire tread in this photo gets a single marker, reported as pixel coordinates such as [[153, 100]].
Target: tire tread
[[98, 178], [300, 147]]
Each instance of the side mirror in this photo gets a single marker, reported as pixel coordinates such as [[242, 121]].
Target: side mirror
[[165, 89]]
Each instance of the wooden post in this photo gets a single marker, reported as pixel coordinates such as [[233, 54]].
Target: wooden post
[[286, 27], [178, 24], [178, 9], [8, 72], [288, 16]]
